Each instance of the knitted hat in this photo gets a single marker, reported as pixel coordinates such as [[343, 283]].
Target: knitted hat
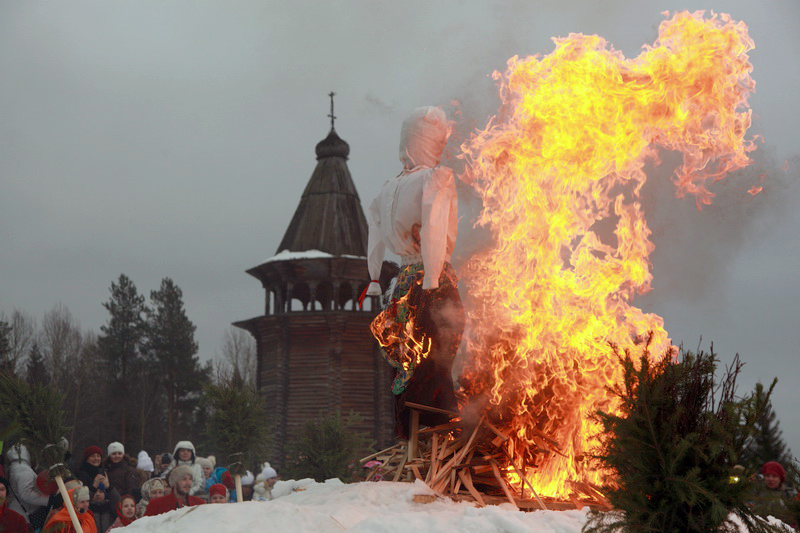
[[268, 472], [248, 478], [116, 447], [774, 468], [143, 462], [178, 472], [80, 494], [218, 488], [202, 461], [91, 450], [213, 461]]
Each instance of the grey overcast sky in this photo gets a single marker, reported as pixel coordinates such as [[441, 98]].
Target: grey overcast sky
[[164, 138]]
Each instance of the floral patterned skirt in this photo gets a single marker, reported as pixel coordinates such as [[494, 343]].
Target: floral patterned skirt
[[420, 331]]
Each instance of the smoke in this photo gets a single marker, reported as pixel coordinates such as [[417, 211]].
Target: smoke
[[696, 248]]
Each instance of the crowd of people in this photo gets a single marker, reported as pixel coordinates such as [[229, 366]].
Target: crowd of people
[[111, 489]]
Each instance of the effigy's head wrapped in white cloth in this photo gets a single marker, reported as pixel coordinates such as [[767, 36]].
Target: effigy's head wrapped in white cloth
[[423, 137]]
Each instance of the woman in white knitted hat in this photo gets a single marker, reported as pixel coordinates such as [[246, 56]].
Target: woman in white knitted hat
[[120, 470]]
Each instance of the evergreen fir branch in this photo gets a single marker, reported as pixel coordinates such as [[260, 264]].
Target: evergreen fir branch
[[673, 446], [37, 414], [236, 426]]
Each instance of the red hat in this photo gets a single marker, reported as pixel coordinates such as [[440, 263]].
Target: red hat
[[91, 450], [217, 488], [774, 468]]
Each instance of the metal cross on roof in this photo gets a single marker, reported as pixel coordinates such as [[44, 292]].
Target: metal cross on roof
[[333, 117]]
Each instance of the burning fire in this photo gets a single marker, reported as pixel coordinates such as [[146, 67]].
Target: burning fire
[[558, 168], [404, 342]]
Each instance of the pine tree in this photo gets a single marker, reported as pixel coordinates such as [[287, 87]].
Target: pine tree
[[171, 342], [35, 369], [5, 347], [327, 448], [37, 421], [767, 442], [237, 427], [674, 447], [120, 343]]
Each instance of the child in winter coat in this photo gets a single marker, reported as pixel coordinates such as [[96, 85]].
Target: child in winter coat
[[126, 512], [151, 489], [61, 522], [262, 490], [217, 493]]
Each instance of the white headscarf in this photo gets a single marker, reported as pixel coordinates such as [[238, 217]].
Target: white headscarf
[[423, 137]]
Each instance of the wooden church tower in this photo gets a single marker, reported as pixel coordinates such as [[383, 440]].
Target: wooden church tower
[[316, 354]]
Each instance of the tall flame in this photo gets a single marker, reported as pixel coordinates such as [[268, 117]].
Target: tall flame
[[558, 167]]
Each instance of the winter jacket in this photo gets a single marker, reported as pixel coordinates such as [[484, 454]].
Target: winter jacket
[[773, 502], [11, 521], [416, 214], [22, 479], [198, 479], [62, 523], [169, 503], [103, 511], [123, 476]]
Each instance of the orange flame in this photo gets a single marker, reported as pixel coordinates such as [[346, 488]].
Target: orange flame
[[404, 343], [558, 168]]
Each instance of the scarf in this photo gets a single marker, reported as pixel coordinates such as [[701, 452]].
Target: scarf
[[122, 518]]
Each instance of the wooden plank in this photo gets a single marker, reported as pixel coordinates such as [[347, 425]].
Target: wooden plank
[[416, 472], [399, 471], [434, 448], [578, 505], [441, 427], [431, 409], [502, 482], [496, 431], [376, 454], [470, 487], [594, 493], [414, 434], [468, 447], [525, 480]]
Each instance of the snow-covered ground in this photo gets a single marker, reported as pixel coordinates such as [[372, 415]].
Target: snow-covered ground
[[384, 507]]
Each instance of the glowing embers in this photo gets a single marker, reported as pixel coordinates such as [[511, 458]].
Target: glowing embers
[[559, 171]]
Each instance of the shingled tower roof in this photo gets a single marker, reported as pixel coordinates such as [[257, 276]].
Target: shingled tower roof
[[329, 218]]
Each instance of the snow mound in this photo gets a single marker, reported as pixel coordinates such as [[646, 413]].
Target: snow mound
[[383, 507]]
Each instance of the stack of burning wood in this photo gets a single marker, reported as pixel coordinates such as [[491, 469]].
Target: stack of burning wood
[[469, 461]]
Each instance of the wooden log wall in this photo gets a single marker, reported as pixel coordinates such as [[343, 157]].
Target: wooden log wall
[[312, 364]]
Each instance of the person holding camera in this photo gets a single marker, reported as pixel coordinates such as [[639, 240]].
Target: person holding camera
[[103, 498]]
